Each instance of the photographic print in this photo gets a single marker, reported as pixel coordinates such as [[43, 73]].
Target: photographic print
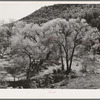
[[49, 45]]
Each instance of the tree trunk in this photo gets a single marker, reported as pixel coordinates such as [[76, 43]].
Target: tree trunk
[[62, 63], [28, 73], [71, 59], [70, 64], [67, 64], [61, 59], [66, 53], [27, 76], [14, 79]]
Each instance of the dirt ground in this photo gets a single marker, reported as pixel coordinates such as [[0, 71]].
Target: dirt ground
[[87, 80]]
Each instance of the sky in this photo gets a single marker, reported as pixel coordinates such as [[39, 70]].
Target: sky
[[17, 10]]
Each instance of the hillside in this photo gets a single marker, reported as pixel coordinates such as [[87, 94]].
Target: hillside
[[66, 11]]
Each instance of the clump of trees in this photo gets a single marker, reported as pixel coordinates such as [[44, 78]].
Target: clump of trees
[[67, 36], [32, 46], [54, 41]]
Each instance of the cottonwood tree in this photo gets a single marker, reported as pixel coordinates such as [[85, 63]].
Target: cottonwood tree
[[67, 34], [27, 43], [85, 51], [4, 40]]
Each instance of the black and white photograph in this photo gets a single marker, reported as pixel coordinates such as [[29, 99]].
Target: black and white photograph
[[49, 45]]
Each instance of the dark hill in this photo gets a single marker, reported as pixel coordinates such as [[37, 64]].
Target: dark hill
[[60, 11]]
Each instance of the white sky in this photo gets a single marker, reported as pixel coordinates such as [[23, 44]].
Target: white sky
[[17, 10]]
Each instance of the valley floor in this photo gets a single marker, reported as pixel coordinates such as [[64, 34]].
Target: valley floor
[[87, 80]]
